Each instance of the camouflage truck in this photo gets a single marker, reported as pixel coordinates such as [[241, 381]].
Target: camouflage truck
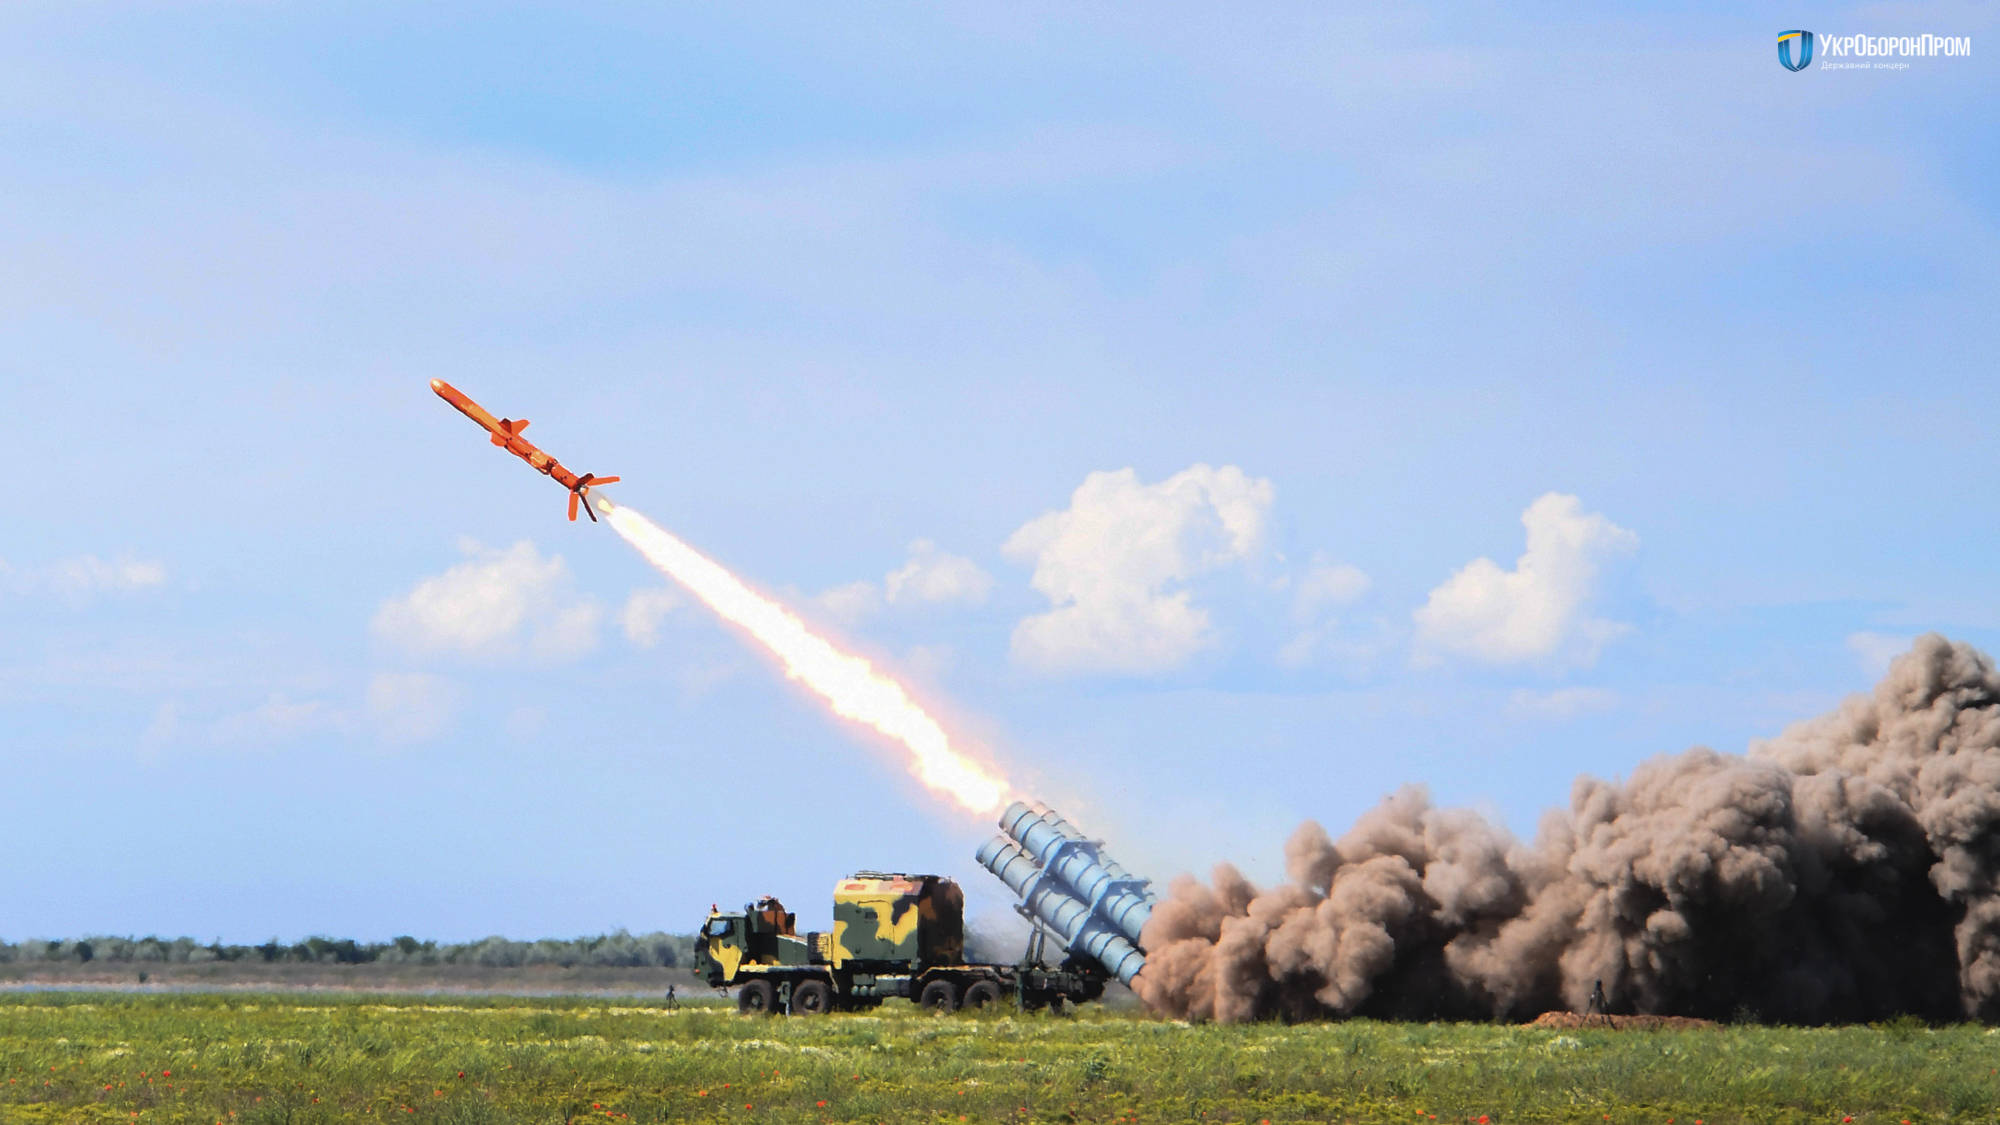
[[893, 935]]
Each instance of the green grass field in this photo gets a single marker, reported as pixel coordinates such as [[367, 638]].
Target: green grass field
[[290, 1058]]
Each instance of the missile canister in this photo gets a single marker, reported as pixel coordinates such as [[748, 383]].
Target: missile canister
[[1087, 873], [1081, 931]]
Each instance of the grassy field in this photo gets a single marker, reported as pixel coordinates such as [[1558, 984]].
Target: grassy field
[[290, 1058]]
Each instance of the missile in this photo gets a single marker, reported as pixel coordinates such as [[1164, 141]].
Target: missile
[[507, 435]]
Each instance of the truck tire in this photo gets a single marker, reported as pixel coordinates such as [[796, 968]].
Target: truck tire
[[812, 998], [756, 998], [939, 996], [982, 995]]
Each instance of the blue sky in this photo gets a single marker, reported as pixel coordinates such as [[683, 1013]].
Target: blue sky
[[824, 286]]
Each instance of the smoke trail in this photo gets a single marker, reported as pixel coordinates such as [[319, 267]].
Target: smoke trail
[[849, 684], [1845, 870]]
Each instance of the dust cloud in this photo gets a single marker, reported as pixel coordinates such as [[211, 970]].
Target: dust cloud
[[1844, 870]]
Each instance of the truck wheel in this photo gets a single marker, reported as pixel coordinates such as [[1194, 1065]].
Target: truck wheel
[[811, 998], [939, 996], [982, 995], [756, 998]]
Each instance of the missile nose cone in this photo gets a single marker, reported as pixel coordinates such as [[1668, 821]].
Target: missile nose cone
[[437, 384]]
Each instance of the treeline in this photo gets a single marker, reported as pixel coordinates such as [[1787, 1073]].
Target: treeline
[[615, 949]]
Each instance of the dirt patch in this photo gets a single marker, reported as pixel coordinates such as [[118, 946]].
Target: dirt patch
[[1574, 1021]]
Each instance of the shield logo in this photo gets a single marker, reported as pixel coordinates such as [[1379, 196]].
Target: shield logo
[[1794, 44]]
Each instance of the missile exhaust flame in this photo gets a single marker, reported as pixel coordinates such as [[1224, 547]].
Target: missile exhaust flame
[[848, 683]]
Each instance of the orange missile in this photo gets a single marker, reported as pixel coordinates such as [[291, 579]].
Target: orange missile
[[507, 435]]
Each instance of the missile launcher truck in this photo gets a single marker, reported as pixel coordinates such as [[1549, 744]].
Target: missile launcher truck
[[897, 935], [893, 935]]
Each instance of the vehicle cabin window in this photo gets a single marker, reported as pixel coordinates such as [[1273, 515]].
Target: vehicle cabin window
[[718, 928]]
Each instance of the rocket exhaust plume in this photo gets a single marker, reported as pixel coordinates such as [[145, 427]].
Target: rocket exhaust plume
[[1848, 869], [848, 683]]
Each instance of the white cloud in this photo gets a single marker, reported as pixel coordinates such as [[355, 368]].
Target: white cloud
[[644, 612], [411, 706], [928, 577], [1114, 563], [850, 603], [1876, 650], [76, 579], [1353, 649], [496, 603], [932, 575], [1562, 703], [277, 719], [1327, 585], [1535, 612]]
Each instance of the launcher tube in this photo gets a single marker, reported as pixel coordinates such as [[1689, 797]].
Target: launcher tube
[[1081, 932], [1081, 865]]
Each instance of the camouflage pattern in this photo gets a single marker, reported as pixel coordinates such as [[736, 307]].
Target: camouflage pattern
[[906, 920], [731, 944]]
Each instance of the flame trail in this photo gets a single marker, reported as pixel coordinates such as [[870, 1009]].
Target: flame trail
[[848, 683]]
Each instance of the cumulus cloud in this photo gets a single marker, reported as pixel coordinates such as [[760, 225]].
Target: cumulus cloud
[[1561, 703], [278, 719], [82, 576], [850, 603], [929, 577], [932, 575], [1324, 588], [644, 612], [1115, 564], [1536, 612], [411, 706], [496, 603], [1327, 585]]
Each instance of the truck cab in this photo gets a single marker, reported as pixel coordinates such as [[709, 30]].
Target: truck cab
[[762, 933]]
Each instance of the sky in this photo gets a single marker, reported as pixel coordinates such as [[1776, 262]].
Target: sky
[[1217, 418]]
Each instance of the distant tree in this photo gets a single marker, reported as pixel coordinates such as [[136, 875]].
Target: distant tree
[[616, 949]]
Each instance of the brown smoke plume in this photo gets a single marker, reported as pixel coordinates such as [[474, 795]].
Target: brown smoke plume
[[1848, 869]]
